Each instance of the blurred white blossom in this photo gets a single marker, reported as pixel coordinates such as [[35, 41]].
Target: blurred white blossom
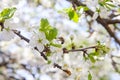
[[92, 4], [38, 40], [6, 35]]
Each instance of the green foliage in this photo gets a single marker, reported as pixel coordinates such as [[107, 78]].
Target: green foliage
[[44, 25], [49, 62], [89, 76], [73, 15], [107, 4], [48, 54], [99, 51], [49, 31], [7, 13], [102, 49], [85, 57], [51, 34], [55, 45], [85, 8], [91, 57]]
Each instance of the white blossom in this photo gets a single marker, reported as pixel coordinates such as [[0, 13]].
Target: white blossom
[[6, 35], [92, 4], [116, 1], [38, 40], [95, 15], [104, 13]]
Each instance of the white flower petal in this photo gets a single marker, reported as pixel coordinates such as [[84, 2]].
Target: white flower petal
[[40, 47], [6, 35], [41, 35], [33, 42], [95, 15]]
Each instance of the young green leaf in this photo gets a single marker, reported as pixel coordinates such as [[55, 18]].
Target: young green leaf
[[48, 54], [49, 31], [51, 34], [89, 76], [55, 45], [44, 25], [94, 53], [85, 57], [107, 4], [85, 8], [7, 13], [91, 58], [102, 49], [75, 17], [72, 14], [49, 62]]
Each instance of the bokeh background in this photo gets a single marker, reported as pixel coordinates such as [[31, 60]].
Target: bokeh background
[[19, 62]]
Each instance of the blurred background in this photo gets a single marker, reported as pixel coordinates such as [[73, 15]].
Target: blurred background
[[19, 62]]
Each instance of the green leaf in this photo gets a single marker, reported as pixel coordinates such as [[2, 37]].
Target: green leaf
[[102, 49], [7, 13], [49, 62], [84, 7], [55, 45], [89, 76], [94, 53], [51, 34], [44, 25], [72, 14], [111, 5], [107, 4], [85, 57], [101, 3], [91, 58], [49, 31], [75, 17], [48, 54]]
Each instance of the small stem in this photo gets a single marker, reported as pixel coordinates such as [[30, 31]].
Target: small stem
[[60, 67], [82, 49], [2, 25], [21, 36]]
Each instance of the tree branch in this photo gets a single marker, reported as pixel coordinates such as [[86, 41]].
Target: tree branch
[[27, 40], [21, 36], [112, 21], [103, 22], [82, 49], [42, 54]]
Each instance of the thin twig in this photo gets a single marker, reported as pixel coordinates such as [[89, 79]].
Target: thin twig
[[27, 40], [21, 36], [64, 70], [2, 25], [82, 49]]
